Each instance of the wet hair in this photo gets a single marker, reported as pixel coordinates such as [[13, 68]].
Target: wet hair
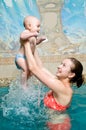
[[24, 23], [77, 69]]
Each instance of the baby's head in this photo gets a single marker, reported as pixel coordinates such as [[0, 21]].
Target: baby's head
[[32, 24]]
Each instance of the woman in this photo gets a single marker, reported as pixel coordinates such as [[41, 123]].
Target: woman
[[69, 71]]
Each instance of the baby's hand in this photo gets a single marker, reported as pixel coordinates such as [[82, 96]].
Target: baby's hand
[[40, 39]]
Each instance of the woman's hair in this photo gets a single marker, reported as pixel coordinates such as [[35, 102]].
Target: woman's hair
[[77, 69]]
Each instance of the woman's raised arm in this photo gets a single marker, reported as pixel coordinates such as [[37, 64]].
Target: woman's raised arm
[[36, 67]]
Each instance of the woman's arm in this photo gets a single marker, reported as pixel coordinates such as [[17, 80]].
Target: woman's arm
[[39, 63], [37, 59], [36, 67]]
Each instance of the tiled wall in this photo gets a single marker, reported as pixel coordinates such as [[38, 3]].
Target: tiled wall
[[8, 71]]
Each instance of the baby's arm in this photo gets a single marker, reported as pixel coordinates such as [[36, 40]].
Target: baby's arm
[[26, 34], [40, 39]]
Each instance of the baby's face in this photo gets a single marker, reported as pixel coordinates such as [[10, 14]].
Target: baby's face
[[33, 25]]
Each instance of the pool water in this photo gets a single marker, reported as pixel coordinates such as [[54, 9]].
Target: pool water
[[77, 111], [21, 110]]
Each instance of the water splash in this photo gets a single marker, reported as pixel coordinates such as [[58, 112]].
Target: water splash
[[25, 106]]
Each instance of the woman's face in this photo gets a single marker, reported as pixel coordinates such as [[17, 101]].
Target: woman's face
[[64, 69]]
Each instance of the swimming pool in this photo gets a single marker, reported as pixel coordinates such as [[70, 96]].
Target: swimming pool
[[21, 110]]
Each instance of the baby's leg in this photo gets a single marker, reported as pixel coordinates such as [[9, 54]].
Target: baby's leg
[[24, 80], [29, 74], [23, 65]]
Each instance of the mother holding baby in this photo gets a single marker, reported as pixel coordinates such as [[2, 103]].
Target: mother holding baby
[[58, 99]]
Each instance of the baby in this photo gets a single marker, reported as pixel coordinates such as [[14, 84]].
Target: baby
[[32, 29]]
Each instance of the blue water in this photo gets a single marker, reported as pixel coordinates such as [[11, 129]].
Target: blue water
[[21, 110], [77, 111]]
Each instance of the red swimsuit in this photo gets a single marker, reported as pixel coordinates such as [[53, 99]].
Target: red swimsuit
[[50, 102]]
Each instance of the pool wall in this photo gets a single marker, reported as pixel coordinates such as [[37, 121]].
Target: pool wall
[[58, 46]]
